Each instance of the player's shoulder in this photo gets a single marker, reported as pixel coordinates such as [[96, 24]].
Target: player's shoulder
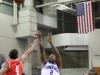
[[44, 64], [8, 61], [12, 60], [5, 65]]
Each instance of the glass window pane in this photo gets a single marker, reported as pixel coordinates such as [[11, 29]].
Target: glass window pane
[[59, 15], [59, 22], [54, 31], [73, 28], [67, 27], [97, 25]]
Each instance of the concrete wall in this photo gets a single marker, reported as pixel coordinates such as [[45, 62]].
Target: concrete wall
[[74, 71], [66, 39], [94, 48], [5, 8], [46, 21], [50, 11], [8, 41]]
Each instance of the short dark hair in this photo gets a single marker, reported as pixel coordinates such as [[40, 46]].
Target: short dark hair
[[93, 72], [13, 54]]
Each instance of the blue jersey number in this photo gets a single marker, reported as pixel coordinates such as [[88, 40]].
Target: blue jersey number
[[51, 72]]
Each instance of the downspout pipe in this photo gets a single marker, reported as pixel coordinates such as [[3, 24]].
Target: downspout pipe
[[15, 12]]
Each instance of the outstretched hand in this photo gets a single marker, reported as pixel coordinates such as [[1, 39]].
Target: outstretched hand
[[49, 37], [38, 34]]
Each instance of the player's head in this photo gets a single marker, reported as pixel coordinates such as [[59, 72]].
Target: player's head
[[91, 72], [52, 58], [13, 54]]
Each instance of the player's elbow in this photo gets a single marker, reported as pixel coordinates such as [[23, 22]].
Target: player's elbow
[[24, 58]]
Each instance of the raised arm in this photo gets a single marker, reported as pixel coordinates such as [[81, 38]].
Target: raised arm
[[29, 51], [4, 68], [56, 52], [42, 49]]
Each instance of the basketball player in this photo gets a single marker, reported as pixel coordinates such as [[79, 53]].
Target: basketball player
[[53, 64], [14, 66], [91, 72]]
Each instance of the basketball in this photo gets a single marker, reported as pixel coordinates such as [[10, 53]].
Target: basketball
[[19, 1]]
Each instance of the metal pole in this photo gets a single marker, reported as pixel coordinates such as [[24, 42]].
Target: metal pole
[[8, 3]]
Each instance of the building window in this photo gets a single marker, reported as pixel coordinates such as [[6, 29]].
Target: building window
[[38, 2], [97, 24], [96, 11], [66, 23]]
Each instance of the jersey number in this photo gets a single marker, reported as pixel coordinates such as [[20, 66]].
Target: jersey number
[[17, 70], [51, 72]]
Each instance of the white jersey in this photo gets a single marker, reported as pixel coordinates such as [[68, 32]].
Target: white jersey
[[50, 69]]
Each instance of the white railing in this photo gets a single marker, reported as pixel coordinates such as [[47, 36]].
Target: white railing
[[67, 39]]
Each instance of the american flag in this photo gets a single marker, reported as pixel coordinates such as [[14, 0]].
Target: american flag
[[85, 21]]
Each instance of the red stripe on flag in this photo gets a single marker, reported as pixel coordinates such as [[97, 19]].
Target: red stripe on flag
[[78, 26], [86, 17], [92, 22], [84, 26], [92, 14]]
